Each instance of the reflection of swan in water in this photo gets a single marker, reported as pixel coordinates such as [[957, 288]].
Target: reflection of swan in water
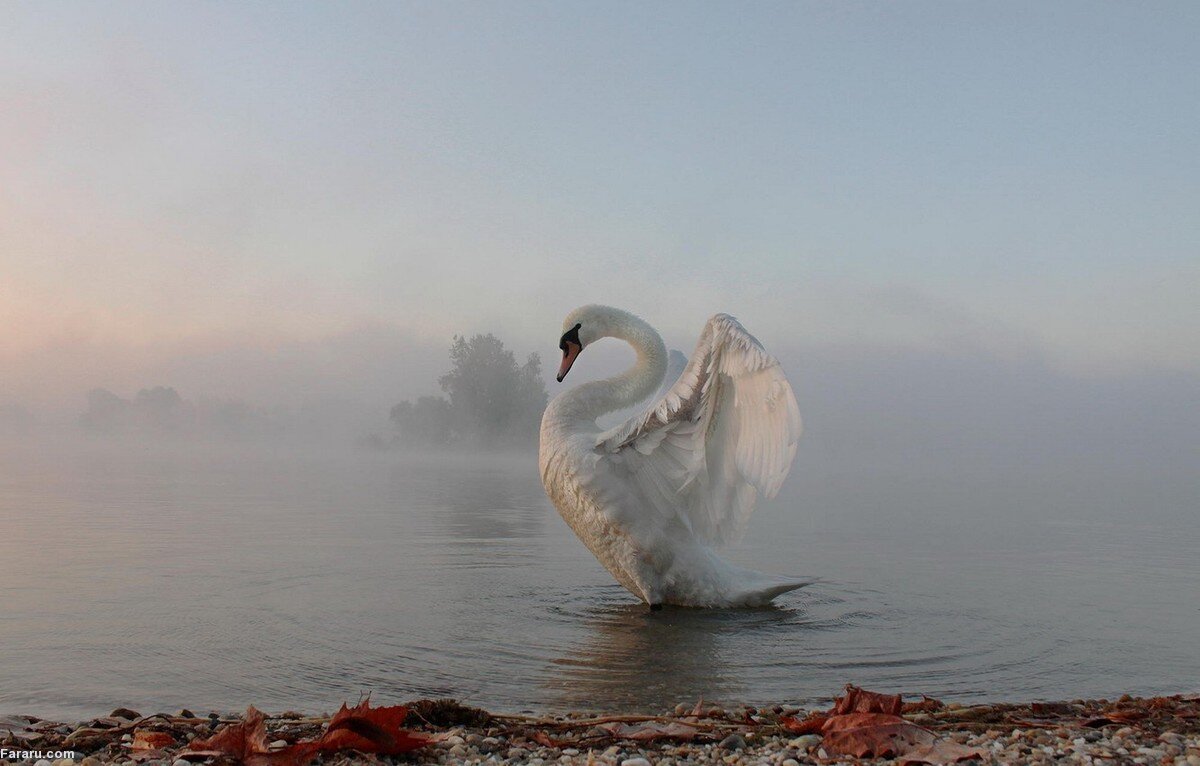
[[636, 660]]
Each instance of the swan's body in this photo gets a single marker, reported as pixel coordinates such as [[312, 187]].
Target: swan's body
[[652, 496]]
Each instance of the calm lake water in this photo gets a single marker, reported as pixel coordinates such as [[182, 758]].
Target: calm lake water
[[161, 578]]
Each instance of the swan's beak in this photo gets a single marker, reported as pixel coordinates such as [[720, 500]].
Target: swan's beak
[[570, 351]]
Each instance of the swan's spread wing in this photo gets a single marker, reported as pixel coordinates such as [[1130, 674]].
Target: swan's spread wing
[[676, 363], [724, 433]]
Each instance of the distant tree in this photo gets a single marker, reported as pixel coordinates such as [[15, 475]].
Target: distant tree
[[491, 401], [162, 409], [105, 411], [426, 423], [235, 419]]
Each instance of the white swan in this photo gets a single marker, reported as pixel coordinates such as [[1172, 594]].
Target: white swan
[[652, 496]]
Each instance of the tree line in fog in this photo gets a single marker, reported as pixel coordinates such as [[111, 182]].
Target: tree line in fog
[[490, 401]]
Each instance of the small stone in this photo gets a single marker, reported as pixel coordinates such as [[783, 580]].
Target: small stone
[[790, 762], [458, 750], [126, 713], [1193, 759], [42, 762], [182, 762], [279, 743], [635, 762], [516, 752], [65, 762], [570, 751], [682, 709], [805, 743], [733, 742], [91, 760]]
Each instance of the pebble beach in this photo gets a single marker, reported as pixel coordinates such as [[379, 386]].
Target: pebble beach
[[1161, 730]]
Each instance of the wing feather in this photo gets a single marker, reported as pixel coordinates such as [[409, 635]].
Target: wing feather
[[724, 434]]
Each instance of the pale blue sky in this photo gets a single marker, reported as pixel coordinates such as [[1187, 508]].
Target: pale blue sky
[[186, 179]]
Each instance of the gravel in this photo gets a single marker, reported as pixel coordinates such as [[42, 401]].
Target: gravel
[[1039, 733]]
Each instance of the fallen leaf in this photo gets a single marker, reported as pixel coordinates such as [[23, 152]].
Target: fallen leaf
[[246, 742], [862, 701], [651, 730], [151, 740], [809, 725], [371, 730], [873, 735], [866, 724], [941, 752]]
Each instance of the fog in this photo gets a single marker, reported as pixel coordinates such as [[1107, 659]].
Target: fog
[[986, 405], [279, 220]]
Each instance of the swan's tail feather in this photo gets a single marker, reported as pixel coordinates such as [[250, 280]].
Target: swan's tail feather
[[760, 589]]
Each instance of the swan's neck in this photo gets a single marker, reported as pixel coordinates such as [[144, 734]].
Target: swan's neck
[[591, 400]]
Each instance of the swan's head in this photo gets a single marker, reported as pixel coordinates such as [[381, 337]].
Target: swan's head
[[584, 326]]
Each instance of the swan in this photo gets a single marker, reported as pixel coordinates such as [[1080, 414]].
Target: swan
[[653, 496]]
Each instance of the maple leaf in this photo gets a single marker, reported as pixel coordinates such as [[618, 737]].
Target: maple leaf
[[151, 740], [246, 743], [878, 735], [359, 728], [859, 700], [941, 752], [866, 724], [371, 730], [811, 724]]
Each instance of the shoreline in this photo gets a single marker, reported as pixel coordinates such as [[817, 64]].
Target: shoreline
[[1156, 730]]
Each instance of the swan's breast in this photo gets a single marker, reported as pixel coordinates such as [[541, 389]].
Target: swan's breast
[[564, 475]]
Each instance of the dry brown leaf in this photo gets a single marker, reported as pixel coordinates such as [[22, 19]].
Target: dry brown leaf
[[371, 730], [246, 743], [941, 752], [812, 724], [862, 701], [866, 724], [151, 740], [877, 735]]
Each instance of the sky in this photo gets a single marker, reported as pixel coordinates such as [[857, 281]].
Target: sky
[[305, 202]]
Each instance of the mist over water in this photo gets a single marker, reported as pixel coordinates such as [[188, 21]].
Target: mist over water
[[214, 577], [235, 242]]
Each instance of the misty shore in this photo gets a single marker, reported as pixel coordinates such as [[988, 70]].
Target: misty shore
[[1159, 730]]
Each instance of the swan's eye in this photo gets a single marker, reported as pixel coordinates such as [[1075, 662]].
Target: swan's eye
[[570, 336]]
